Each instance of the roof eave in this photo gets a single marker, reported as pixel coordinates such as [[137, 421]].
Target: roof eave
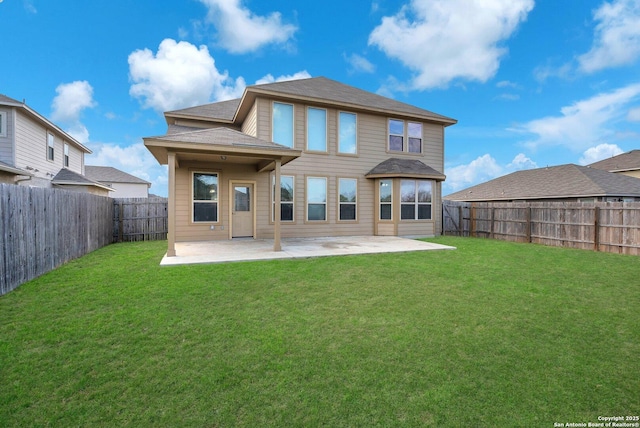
[[77, 183], [437, 177]]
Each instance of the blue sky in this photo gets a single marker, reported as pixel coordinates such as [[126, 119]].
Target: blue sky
[[531, 83]]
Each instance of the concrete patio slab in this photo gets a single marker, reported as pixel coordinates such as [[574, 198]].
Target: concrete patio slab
[[262, 249]]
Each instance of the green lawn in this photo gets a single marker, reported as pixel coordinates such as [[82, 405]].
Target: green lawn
[[492, 334]]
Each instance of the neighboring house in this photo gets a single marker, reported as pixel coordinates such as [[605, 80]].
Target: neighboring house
[[124, 185], [347, 162], [626, 163], [556, 183], [36, 152]]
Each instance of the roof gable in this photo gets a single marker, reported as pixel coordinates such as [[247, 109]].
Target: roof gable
[[397, 167]]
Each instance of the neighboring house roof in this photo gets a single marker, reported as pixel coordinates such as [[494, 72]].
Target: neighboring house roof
[[396, 167], [108, 174], [629, 161], [13, 170], [563, 181], [69, 178], [319, 90], [4, 100]]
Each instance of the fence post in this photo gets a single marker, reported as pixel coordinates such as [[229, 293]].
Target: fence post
[[472, 220], [492, 214], [120, 220], [596, 229], [528, 223]]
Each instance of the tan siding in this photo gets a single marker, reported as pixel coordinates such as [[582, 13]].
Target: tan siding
[[372, 149], [31, 149], [249, 126], [635, 174]]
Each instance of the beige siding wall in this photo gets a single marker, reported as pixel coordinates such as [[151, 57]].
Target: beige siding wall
[[372, 149], [249, 126], [635, 174]]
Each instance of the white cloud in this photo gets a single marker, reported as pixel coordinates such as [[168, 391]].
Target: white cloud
[[296, 76], [481, 169], [583, 123], [443, 40], [135, 160], [241, 31], [179, 75], [599, 152], [69, 103], [359, 63], [634, 115], [617, 36]]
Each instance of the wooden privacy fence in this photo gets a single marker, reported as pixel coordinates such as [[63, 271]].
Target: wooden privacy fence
[[602, 226], [40, 229], [140, 219]]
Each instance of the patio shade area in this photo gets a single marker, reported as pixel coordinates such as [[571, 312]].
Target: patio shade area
[[262, 249]]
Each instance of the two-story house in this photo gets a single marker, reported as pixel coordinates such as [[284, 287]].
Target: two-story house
[[36, 152], [303, 158]]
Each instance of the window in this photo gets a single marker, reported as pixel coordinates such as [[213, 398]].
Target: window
[[415, 200], [414, 132], [316, 199], [286, 198], [283, 124], [66, 155], [205, 197], [347, 141], [348, 194], [316, 129], [3, 124], [385, 199], [50, 146], [397, 136]]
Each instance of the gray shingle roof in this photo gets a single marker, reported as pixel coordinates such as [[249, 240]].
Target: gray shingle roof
[[220, 136], [563, 181], [66, 176], [624, 162], [224, 110], [316, 89], [108, 174], [397, 167], [8, 100]]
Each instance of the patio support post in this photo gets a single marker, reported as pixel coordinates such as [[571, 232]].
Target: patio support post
[[276, 219], [171, 209]]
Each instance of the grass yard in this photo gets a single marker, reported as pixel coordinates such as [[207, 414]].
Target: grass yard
[[492, 334]]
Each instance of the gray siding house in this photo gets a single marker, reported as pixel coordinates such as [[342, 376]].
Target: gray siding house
[[36, 152]]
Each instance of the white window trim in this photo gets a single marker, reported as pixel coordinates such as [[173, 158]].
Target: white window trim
[[53, 147], [405, 136], [356, 136], [416, 203], [326, 130], [293, 122], [421, 137], [66, 158], [217, 201]]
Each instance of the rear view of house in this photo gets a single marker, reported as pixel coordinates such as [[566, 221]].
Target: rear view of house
[[303, 158]]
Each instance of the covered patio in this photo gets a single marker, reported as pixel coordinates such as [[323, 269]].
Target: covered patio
[[263, 249]]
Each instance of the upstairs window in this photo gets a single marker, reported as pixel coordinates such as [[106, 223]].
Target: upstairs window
[[401, 132], [396, 135], [50, 146], [3, 124], [66, 155], [415, 200], [282, 124], [347, 140], [205, 197], [316, 129]]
